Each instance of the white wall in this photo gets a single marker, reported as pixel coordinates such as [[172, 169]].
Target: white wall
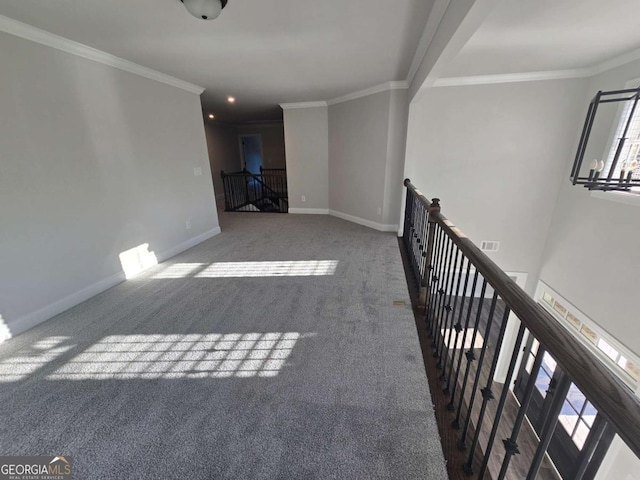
[[358, 131], [306, 142], [396, 149], [224, 153], [93, 161], [366, 156], [592, 256], [495, 155]]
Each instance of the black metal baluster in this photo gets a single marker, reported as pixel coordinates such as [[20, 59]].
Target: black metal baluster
[[418, 213], [417, 218], [441, 312], [451, 404], [427, 226], [407, 217], [438, 290], [224, 189], [414, 219], [510, 444], [436, 280], [442, 300], [470, 357], [433, 277], [487, 393], [550, 423], [458, 325], [502, 401], [445, 343], [425, 253], [422, 247], [474, 389], [234, 190]]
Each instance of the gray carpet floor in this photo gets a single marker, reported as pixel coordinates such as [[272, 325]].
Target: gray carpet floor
[[211, 365]]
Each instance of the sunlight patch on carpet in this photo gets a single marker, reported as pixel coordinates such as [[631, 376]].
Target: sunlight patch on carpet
[[193, 356], [304, 268], [30, 359]]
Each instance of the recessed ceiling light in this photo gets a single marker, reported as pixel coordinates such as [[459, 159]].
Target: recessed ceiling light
[[231, 99], [212, 116]]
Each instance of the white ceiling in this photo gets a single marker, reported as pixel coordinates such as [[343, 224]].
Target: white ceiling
[[264, 52], [548, 35]]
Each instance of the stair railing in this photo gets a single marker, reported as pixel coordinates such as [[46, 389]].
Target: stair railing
[[466, 299], [246, 191]]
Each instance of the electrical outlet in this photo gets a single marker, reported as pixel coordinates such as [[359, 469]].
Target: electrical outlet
[[188, 224], [304, 198], [379, 211], [197, 171]]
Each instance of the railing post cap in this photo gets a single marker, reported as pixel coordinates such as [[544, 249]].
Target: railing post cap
[[407, 182], [435, 202]]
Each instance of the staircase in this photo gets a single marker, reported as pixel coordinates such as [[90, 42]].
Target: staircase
[[248, 192]]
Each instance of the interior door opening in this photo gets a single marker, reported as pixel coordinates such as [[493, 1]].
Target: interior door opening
[[251, 153]]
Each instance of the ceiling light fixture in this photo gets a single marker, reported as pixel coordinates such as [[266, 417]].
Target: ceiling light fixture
[[205, 9], [619, 170], [212, 116], [231, 99]]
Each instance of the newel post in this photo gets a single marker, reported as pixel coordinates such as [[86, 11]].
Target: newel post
[[425, 287]]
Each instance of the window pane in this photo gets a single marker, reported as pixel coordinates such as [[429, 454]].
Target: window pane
[[548, 364], [622, 362], [542, 382], [576, 398], [535, 346], [589, 414], [581, 434], [608, 350], [529, 365], [568, 417], [629, 152]]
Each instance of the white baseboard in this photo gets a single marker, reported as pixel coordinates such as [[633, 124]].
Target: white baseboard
[[367, 223], [310, 211], [187, 244], [30, 320]]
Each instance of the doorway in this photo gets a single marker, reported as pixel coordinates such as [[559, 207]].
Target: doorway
[[251, 152]]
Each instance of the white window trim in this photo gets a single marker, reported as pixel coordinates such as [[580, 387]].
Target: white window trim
[[633, 384]]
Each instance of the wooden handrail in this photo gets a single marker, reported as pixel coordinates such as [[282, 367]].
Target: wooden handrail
[[613, 399], [282, 170]]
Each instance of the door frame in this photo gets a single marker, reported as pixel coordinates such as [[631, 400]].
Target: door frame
[[243, 164]]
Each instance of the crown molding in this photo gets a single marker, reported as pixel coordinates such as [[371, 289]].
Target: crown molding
[[537, 76], [290, 106], [383, 87], [433, 22], [28, 32], [511, 78], [615, 62]]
